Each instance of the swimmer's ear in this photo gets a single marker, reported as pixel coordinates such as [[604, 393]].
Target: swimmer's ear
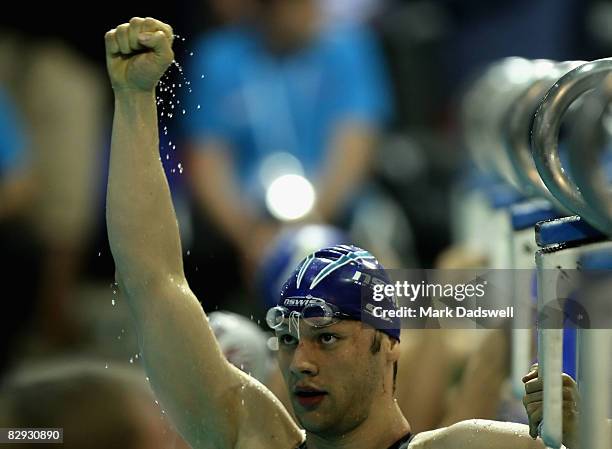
[[393, 354]]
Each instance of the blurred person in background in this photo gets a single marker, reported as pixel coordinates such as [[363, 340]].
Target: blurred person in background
[[15, 178], [58, 93], [356, 11], [280, 88], [97, 407], [60, 265], [16, 191]]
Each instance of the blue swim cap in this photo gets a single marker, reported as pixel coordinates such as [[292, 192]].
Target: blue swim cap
[[343, 276], [287, 251]]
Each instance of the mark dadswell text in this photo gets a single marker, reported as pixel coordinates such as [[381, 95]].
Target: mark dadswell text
[[464, 312], [446, 312]]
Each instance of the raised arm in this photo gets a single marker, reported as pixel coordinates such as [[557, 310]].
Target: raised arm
[[211, 403]]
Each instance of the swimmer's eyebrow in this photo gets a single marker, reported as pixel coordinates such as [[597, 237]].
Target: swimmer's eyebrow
[[337, 328]]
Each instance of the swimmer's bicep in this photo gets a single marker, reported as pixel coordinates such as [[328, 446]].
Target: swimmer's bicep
[[187, 370]]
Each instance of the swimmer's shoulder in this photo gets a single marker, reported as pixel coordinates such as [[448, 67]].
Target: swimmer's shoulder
[[427, 440]]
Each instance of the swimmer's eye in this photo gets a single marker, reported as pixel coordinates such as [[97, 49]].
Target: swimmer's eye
[[328, 339], [287, 340]]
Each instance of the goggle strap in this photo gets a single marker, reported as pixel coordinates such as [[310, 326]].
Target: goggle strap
[[294, 321]]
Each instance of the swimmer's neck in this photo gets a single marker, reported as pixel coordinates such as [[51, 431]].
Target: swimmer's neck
[[384, 426]]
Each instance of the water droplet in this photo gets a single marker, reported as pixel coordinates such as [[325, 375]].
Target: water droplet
[[183, 112], [113, 302], [131, 359], [147, 379], [190, 53], [198, 107], [188, 252], [100, 253], [106, 366]]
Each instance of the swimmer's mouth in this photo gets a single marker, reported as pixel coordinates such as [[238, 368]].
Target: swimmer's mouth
[[309, 398], [308, 392]]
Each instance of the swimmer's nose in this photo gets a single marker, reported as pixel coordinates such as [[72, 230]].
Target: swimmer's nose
[[303, 362]]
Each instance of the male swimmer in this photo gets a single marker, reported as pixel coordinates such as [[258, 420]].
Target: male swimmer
[[339, 371]]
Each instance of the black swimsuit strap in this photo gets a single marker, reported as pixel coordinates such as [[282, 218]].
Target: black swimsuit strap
[[402, 443]]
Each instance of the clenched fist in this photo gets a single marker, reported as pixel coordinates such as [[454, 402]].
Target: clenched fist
[[138, 53]]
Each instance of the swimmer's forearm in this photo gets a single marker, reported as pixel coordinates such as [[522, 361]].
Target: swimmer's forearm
[[485, 434], [142, 226]]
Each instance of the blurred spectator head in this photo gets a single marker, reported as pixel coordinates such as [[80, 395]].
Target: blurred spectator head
[[98, 407], [289, 24], [243, 343], [232, 11]]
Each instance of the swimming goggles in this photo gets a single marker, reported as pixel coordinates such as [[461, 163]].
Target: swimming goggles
[[317, 313]]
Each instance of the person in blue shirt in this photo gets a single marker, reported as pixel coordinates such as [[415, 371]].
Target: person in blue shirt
[[284, 83], [15, 182], [16, 243]]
